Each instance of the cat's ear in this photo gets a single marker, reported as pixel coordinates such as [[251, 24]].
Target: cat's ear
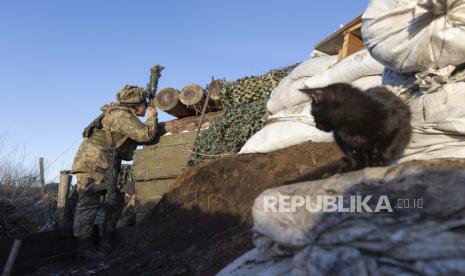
[[315, 94]]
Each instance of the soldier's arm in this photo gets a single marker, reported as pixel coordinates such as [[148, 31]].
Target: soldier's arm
[[129, 125]]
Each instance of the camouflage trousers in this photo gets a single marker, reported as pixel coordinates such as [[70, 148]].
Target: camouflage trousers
[[89, 205]]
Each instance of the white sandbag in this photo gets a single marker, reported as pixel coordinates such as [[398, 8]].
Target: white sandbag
[[280, 135], [287, 93], [415, 35], [368, 82], [399, 239], [302, 112], [298, 113], [435, 98], [350, 69], [445, 139]]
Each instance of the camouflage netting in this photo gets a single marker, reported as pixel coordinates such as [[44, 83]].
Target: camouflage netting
[[245, 113]]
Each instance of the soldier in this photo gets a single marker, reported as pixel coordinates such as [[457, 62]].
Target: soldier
[[117, 127]]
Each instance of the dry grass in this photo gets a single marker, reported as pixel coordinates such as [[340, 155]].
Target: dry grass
[[22, 209]]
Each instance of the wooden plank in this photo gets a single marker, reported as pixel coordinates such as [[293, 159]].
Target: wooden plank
[[179, 139], [165, 159], [160, 163], [161, 169], [351, 45], [149, 190], [173, 140], [164, 152], [354, 29], [333, 43], [149, 193]]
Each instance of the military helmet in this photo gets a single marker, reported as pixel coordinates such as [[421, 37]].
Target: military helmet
[[132, 95]]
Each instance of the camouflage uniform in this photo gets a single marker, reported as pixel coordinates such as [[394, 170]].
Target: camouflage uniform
[[91, 162]]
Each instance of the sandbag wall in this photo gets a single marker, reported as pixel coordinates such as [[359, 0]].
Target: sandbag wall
[[420, 43], [339, 58]]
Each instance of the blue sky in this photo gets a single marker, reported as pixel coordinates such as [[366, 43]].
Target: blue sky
[[61, 60]]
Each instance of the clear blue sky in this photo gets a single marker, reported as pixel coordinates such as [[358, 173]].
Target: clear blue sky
[[61, 60]]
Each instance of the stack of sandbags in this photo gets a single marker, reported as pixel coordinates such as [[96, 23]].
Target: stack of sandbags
[[358, 69], [287, 94], [421, 43], [290, 121]]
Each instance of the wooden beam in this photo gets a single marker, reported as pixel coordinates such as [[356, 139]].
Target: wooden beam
[[333, 43], [351, 45]]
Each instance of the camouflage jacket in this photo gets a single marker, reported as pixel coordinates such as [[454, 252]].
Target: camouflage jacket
[[119, 120]]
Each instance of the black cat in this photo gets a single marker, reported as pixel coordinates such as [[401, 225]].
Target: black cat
[[371, 127]]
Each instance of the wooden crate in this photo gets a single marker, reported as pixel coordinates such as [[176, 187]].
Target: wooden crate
[[166, 159], [157, 166], [149, 193]]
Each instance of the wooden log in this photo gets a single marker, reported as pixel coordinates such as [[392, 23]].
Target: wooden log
[[167, 100], [194, 97], [186, 124], [62, 204]]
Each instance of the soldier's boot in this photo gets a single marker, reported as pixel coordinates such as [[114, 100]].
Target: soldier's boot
[[108, 243], [87, 251]]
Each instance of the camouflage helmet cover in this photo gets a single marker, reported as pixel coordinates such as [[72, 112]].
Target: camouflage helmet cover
[[131, 95]]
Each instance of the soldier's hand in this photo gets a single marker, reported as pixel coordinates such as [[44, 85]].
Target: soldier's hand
[[152, 112]]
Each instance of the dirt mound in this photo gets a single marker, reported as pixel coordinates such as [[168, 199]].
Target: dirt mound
[[204, 222]]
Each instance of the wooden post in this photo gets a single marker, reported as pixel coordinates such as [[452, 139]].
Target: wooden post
[[167, 100], [352, 43], [210, 91], [62, 202], [42, 178], [12, 257]]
